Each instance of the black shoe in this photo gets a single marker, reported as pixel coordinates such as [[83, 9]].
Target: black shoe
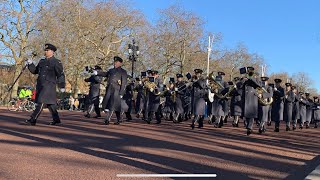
[[158, 122], [30, 122], [200, 126], [235, 124], [260, 131], [294, 128], [276, 129], [301, 127], [117, 123], [269, 123], [307, 127], [249, 131], [106, 122], [209, 121], [87, 115], [316, 126], [148, 121], [53, 123], [192, 126], [288, 128]]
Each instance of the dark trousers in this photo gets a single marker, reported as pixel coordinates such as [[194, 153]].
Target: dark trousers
[[249, 123], [94, 104], [52, 108]]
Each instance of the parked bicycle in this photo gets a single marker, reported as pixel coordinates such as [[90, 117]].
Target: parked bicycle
[[21, 105]]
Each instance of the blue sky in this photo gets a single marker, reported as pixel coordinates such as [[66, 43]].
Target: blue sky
[[285, 32]]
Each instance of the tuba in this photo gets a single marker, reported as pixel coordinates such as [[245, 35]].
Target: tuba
[[263, 101], [152, 87], [216, 87]]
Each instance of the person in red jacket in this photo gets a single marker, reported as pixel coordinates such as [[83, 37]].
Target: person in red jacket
[[33, 97]]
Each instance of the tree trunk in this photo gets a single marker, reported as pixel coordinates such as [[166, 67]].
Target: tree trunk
[[75, 87]]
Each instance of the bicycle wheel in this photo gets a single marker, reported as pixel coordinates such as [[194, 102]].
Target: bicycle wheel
[[29, 106], [12, 105]]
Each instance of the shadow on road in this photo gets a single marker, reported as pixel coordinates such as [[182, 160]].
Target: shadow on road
[[139, 145]]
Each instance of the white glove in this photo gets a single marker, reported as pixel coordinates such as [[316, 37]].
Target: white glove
[[28, 62], [121, 96], [151, 89], [95, 73], [62, 90], [235, 86], [275, 89], [176, 89]]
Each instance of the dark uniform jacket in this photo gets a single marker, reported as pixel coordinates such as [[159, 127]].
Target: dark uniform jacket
[[250, 98], [236, 103], [126, 103], [50, 74], [181, 99], [198, 96], [95, 82], [219, 105], [116, 84], [316, 112], [288, 106], [153, 100], [295, 111], [309, 108], [278, 104], [303, 109], [264, 109]]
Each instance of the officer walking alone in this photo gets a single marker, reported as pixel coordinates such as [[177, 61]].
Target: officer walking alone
[[50, 74]]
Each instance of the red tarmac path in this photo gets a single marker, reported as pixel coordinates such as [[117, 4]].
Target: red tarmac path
[[83, 148]]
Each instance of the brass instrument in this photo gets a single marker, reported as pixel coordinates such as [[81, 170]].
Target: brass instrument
[[216, 87], [263, 101], [213, 84], [152, 87]]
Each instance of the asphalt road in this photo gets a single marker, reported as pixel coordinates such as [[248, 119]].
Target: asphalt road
[[83, 148]]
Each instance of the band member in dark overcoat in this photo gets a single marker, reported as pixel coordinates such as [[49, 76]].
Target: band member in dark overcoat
[[199, 92], [278, 104], [94, 93], [264, 108], [250, 99], [236, 103], [289, 101]]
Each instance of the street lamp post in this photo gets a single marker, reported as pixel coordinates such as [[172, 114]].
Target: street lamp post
[[133, 54]]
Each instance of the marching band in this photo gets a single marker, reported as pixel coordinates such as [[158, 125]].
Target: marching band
[[198, 97]]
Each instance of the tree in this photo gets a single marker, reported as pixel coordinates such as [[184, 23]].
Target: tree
[[16, 26], [87, 35], [176, 38]]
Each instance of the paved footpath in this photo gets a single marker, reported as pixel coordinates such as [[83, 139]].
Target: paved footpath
[[83, 148]]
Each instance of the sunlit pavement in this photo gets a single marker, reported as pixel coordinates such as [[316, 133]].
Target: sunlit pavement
[[82, 148]]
